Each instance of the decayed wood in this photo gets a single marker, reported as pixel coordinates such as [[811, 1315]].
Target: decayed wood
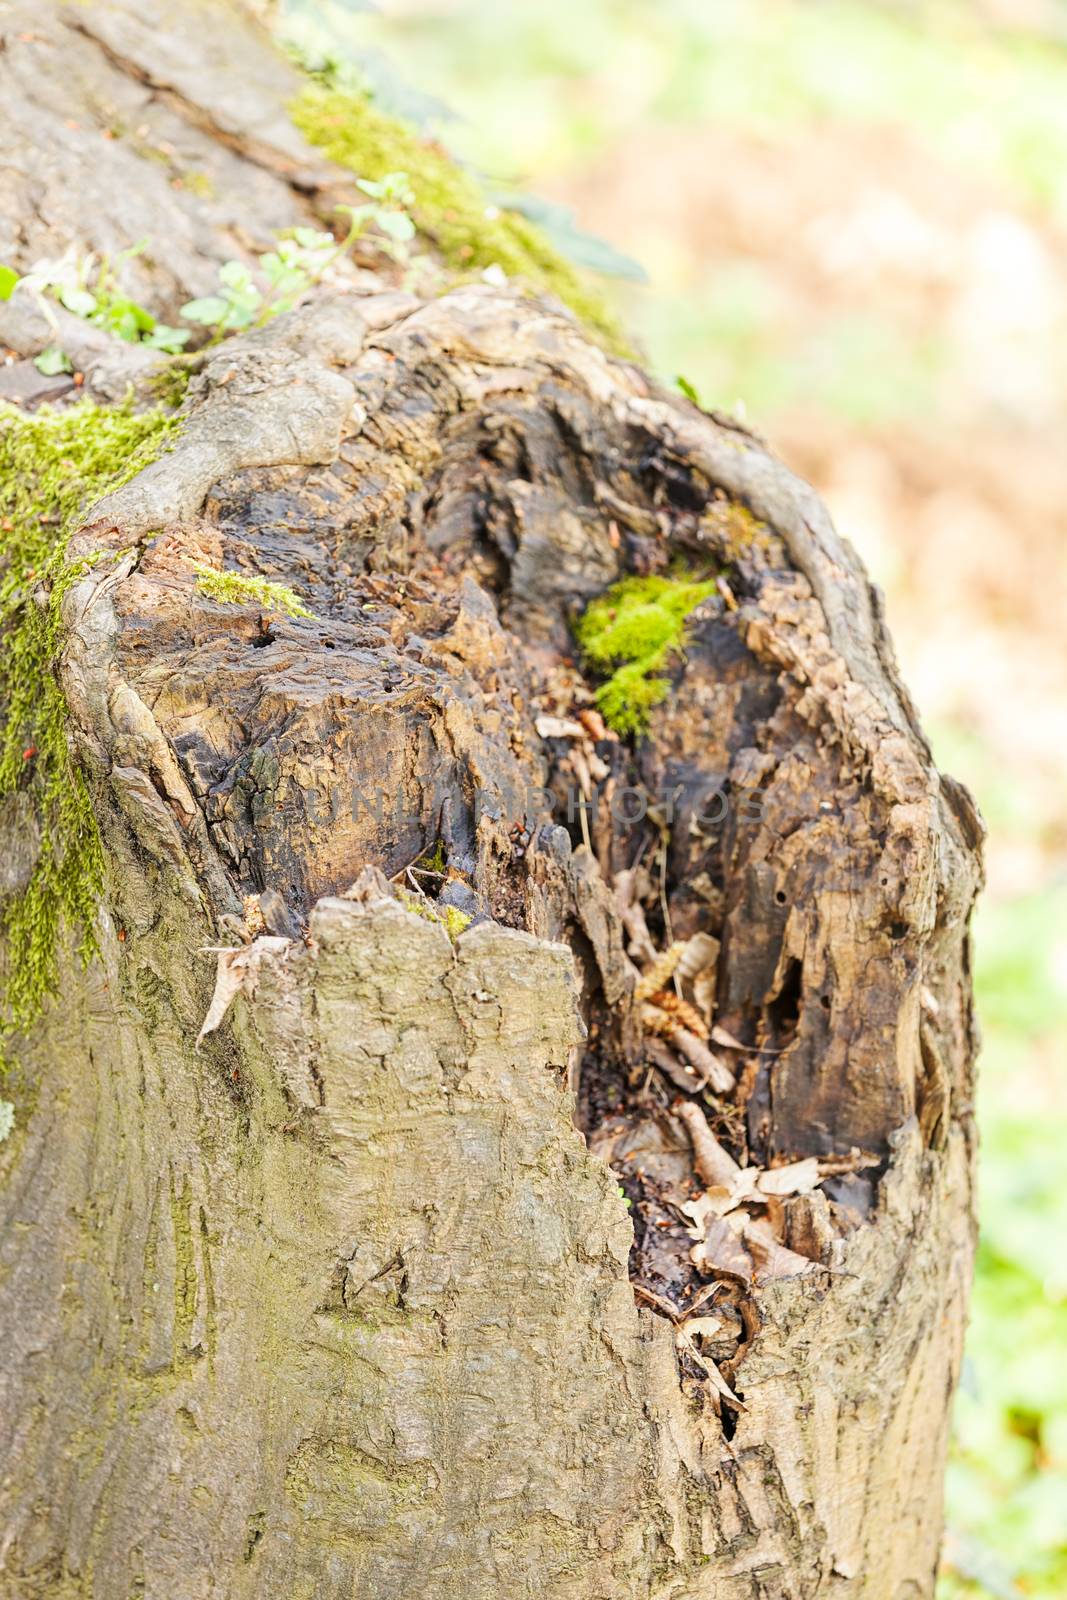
[[337, 1301]]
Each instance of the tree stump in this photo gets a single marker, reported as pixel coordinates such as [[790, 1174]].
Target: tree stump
[[489, 1154]]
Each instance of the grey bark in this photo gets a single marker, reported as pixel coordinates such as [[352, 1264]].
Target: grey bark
[[337, 1302]]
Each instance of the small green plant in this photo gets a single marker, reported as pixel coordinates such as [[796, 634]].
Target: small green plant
[[688, 389], [301, 260], [237, 589], [452, 211], [52, 361], [88, 286], [633, 628]]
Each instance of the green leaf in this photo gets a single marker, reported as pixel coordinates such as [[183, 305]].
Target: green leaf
[[357, 213], [395, 186], [121, 319], [282, 275], [587, 249], [687, 389], [210, 310], [80, 301], [397, 224], [235, 275], [241, 315], [9, 279], [143, 320], [167, 339], [52, 361], [131, 250], [311, 239]]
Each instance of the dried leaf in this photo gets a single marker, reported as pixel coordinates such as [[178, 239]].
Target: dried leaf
[[773, 1260], [704, 1327], [704, 992], [677, 1072], [799, 1177], [699, 1211], [722, 1252], [599, 769], [684, 1343], [697, 973], [701, 952], [580, 768], [713, 1164], [723, 1387], [720, 1200], [744, 1187], [717, 1075], [632, 913], [594, 724], [559, 728], [234, 968], [650, 1298], [724, 1037]]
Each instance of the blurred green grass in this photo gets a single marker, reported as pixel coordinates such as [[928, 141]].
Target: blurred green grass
[[542, 91], [1007, 1480], [988, 98]]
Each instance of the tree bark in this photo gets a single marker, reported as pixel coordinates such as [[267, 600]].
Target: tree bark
[[343, 1297]]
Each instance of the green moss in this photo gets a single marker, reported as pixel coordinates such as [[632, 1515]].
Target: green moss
[[433, 860], [53, 466], [456, 921], [171, 381], [633, 628], [237, 589], [451, 918], [451, 210], [732, 530]]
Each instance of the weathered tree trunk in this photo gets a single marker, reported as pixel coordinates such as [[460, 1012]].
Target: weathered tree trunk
[[339, 1302]]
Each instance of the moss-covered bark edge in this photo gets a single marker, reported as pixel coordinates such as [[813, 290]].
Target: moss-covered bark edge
[[53, 466], [451, 209]]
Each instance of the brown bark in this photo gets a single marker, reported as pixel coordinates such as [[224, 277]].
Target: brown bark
[[339, 1301]]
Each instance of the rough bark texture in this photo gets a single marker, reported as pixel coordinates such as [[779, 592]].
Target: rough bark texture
[[338, 1303]]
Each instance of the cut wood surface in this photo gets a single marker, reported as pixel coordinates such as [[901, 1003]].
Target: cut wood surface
[[320, 1254]]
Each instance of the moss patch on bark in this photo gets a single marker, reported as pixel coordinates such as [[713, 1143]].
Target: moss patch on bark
[[239, 589], [451, 209], [633, 628], [53, 466]]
